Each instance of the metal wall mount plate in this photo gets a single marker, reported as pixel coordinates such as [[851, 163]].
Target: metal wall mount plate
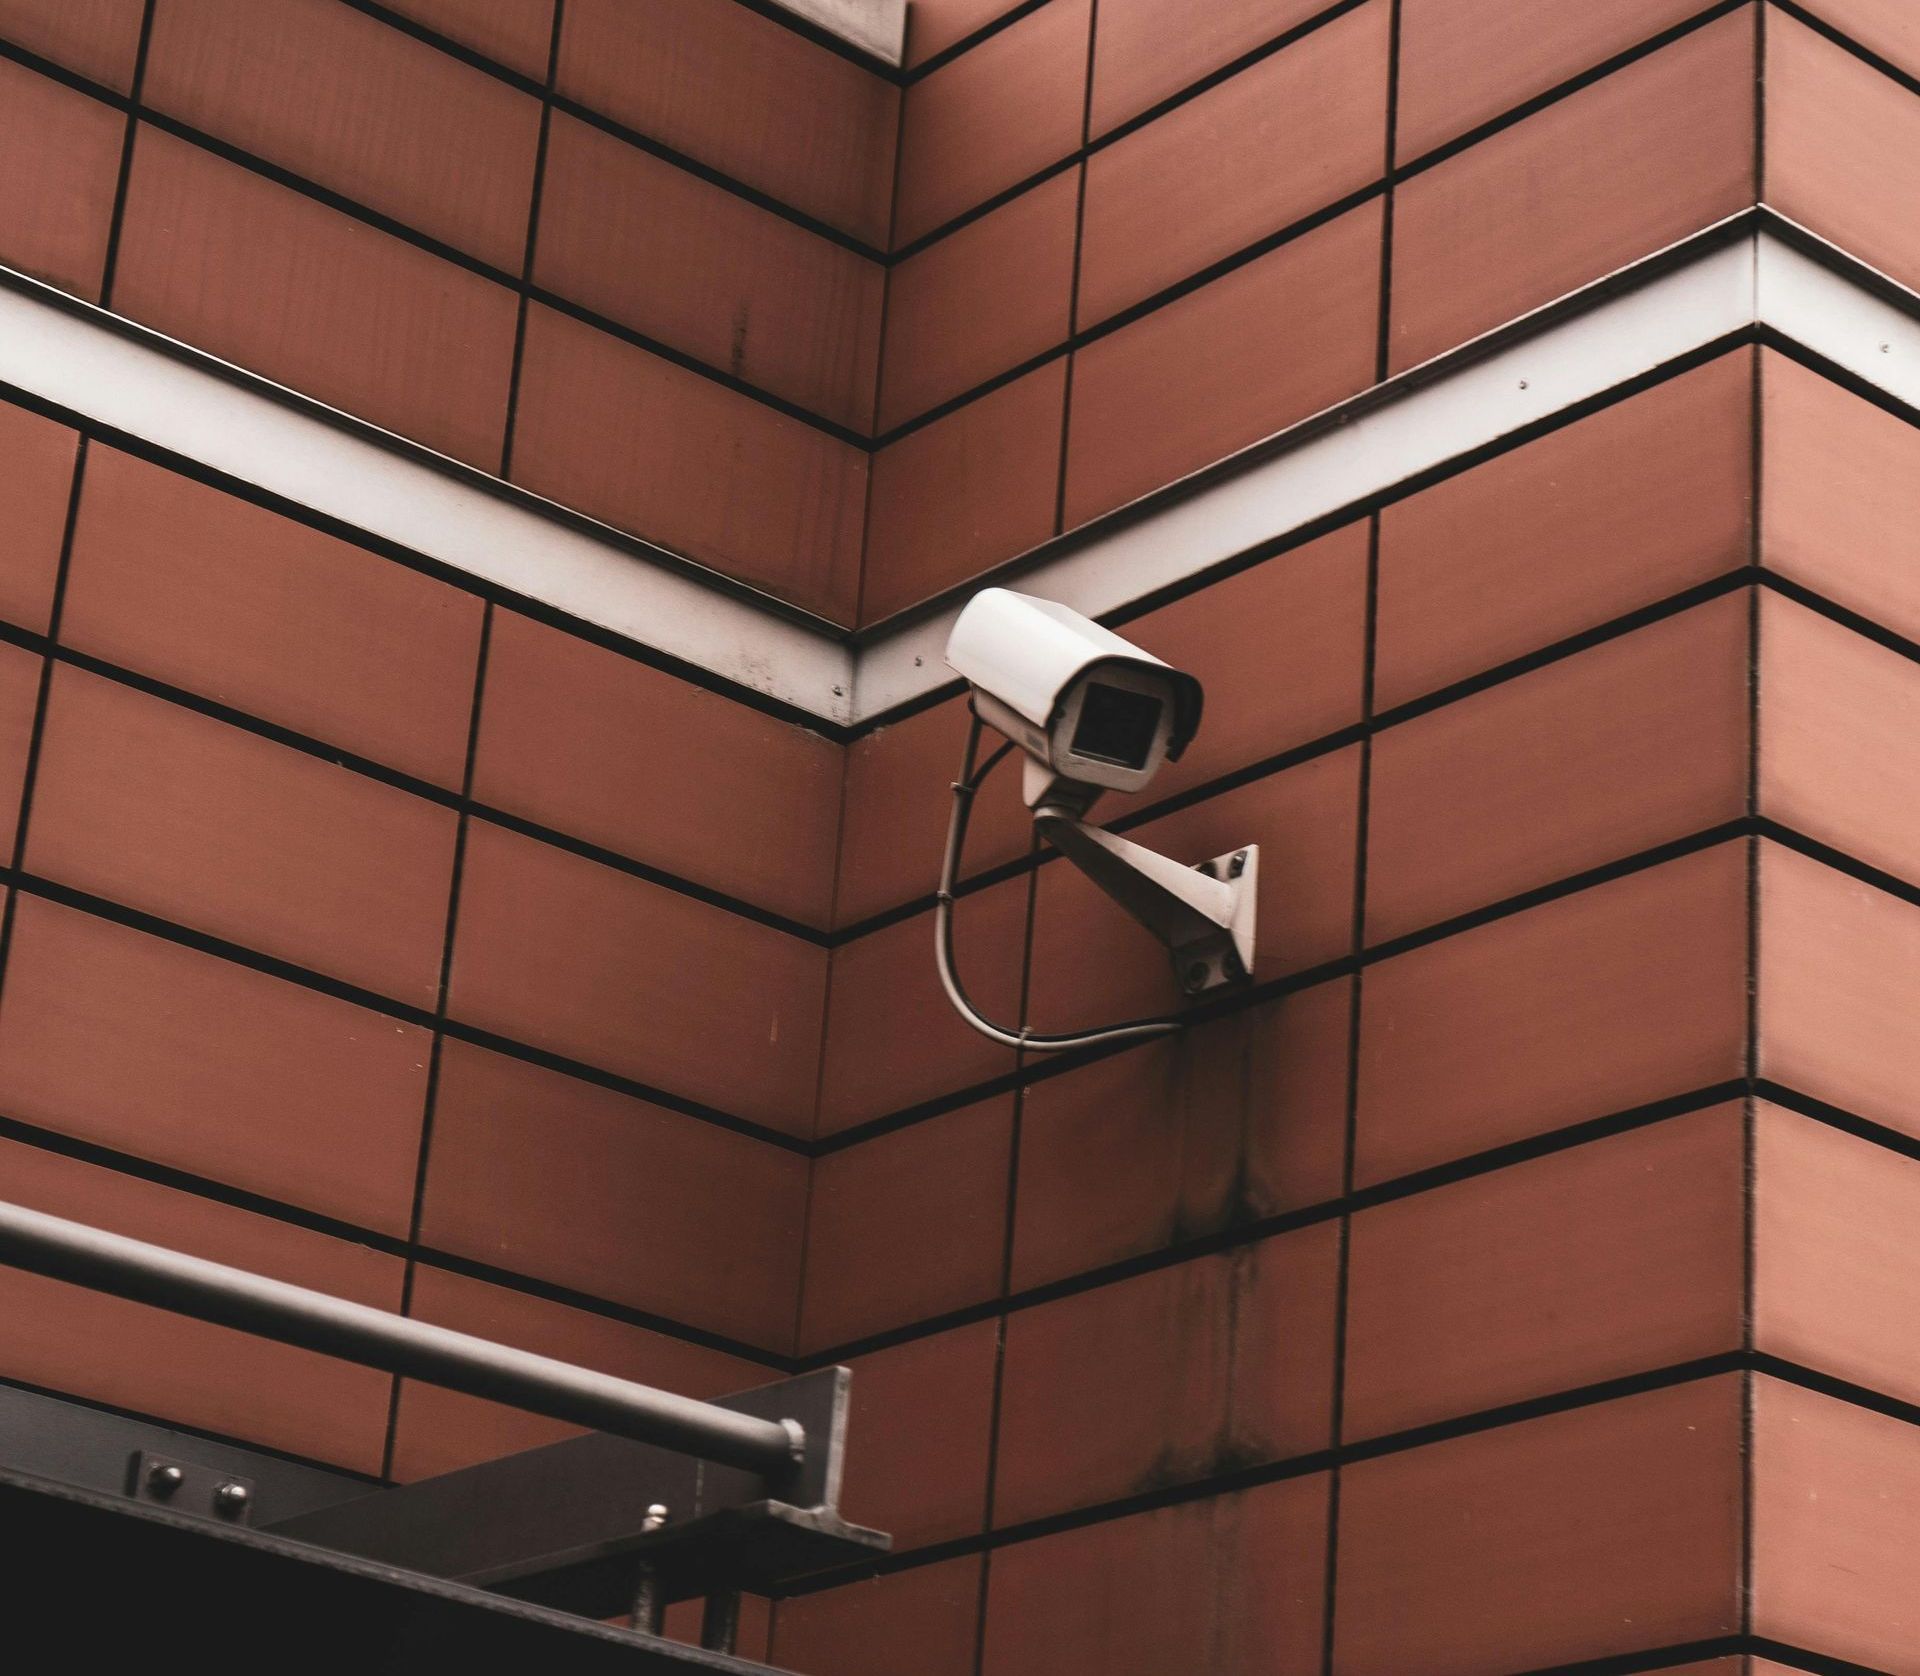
[[188, 1486]]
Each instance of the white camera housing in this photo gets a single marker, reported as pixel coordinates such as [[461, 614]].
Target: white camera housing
[[1093, 712], [1085, 705]]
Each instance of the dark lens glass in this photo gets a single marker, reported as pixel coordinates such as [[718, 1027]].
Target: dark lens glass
[[1116, 725]]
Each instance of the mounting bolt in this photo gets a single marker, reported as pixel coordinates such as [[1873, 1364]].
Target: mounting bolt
[[1238, 865], [656, 1517], [1197, 977], [230, 1499], [163, 1479]]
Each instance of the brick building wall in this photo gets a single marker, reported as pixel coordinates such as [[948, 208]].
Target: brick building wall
[[1520, 1275]]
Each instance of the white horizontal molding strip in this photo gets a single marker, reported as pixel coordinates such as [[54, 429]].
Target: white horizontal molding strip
[[1820, 302], [1751, 272], [1567, 353], [220, 416], [877, 27], [1757, 269]]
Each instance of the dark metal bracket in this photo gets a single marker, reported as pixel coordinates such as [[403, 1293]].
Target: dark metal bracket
[[602, 1525], [668, 1499], [93, 1448], [190, 1487]]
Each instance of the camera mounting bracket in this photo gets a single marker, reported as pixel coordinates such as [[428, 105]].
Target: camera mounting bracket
[[1203, 913]]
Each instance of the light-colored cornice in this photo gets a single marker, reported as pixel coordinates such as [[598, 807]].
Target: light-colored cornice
[[1753, 276], [877, 27]]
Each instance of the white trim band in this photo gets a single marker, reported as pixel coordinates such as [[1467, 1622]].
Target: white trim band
[[877, 27], [1742, 275], [144, 384], [1735, 278]]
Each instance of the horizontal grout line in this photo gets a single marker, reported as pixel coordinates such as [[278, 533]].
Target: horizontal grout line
[[1353, 733], [1224, 73], [581, 1071], [1804, 14], [692, 165], [1256, 1231], [1362, 1199], [660, 349], [73, 80], [63, 1144], [1830, 1385], [1790, 349], [1658, 855], [1513, 116], [337, 756], [587, 849], [536, 88], [1890, 884], [206, 942], [1449, 1172], [513, 283], [980, 211], [888, 1123], [1185, 95], [1732, 581], [950, 405], [399, 779], [958, 49], [421, 1017], [1257, 995], [428, 36], [610, 1309], [1200, 278], [1541, 325], [306, 186], [1269, 242], [214, 710], [1236, 1480], [1122, 318], [1396, 175], [1731, 1645], [465, 581], [1860, 1128], [75, 320]]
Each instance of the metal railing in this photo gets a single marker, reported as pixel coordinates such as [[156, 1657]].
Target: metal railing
[[230, 1297]]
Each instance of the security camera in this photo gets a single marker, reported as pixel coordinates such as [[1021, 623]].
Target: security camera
[[1092, 713]]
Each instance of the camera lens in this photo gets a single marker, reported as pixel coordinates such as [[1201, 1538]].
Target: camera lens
[[1116, 725]]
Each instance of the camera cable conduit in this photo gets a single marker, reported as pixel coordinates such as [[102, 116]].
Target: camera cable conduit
[[964, 789]]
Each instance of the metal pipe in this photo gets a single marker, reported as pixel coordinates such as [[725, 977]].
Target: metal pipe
[[152, 1274]]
